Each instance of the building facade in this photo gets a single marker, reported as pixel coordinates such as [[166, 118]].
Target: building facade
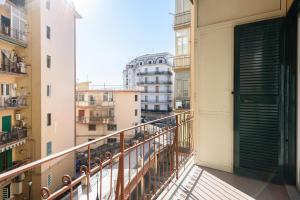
[[182, 59], [154, 73], [37, 78], [101, 111]]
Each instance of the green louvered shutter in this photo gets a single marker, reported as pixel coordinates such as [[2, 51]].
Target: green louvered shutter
[[258, 100]]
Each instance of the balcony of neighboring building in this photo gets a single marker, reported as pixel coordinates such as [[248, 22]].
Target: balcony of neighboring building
[[146, 101], [16, 137], [150, 73], [182, 62], [162, 91], [95, 104], [103, 119], [13, 103], [12, 64], [182, 103], [182, 20], [162, 82], [14, 31]]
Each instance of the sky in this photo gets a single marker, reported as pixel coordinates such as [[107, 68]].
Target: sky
[[113, 32]]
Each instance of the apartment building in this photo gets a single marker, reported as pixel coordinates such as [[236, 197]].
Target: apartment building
[[153, 72], [37, 79], [104, 110], [182, 59]]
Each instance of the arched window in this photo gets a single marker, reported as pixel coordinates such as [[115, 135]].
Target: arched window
[[150, 62]]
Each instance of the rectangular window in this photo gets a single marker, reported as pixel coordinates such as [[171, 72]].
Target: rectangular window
[[111, 140], [146, 88], [48, 4], [92, 127], [157, 98], [157, 79], [81, 97], [156, 88], [49, 148], [136, 112], [157, 107], [108, 97], [49, 119], [146, 107], [156, 69], [111, 127], [48, 90], [48, 61], [48, 32], [136, 98]]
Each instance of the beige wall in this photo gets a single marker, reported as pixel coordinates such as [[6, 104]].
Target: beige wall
[[61, 77], [124, 105], [213, 55]]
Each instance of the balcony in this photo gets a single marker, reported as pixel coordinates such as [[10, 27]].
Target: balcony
[[156, 110], [157, 102], [155, 73], [13, 103], [95, 103], [12, 139], [182, 20], [182, 62], [154, 159], [160, 91], [155, 83], [95, 119], [18, 69], [182, 103]]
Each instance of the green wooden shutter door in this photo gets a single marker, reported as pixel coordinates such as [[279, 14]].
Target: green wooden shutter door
[[258, 100], [1, 162], [6, 123], [9, 157]]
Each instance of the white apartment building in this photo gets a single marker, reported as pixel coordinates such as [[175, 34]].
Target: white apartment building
[[154, 73], [101, 111]]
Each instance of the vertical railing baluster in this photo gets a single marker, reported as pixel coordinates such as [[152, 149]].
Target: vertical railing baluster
[[88, 172], [120, 181], [176, 144]]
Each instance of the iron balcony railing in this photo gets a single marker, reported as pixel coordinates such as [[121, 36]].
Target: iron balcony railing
[[161, 153], [14, 68], [182, 61], [155, 83], [157, 110], [160, 91], [155, 73], [96, 103], [95, 119], [13, 102], [156, 101], [183, 18], [13, 35], [13, 136]]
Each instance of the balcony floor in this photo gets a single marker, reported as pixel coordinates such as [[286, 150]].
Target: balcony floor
[[205, 183]]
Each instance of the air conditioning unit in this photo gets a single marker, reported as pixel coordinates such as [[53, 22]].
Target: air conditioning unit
[[18, 116], [16, 188]]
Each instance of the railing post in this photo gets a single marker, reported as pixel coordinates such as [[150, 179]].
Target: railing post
[[120, 182], [176, 144]]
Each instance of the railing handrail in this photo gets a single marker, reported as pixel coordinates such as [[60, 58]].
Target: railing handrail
[[39, 162]]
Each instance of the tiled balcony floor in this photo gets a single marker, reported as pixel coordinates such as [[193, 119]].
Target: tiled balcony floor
[[205, 183]]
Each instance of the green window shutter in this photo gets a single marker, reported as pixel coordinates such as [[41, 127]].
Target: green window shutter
[[1, 162], [9, 158], [258, 100]]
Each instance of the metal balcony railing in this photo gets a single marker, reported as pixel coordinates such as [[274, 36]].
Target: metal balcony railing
[[157, 110], [155, 83], [160, 91], [96, 103], [15, 135], [154, 101], [182, 61], [183, 18], [14, 68], [107, 175], [12, 35], [95, 119], [13, 102], [155, 73]]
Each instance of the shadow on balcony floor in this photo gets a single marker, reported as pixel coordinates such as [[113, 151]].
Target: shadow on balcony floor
[[205, 183]]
